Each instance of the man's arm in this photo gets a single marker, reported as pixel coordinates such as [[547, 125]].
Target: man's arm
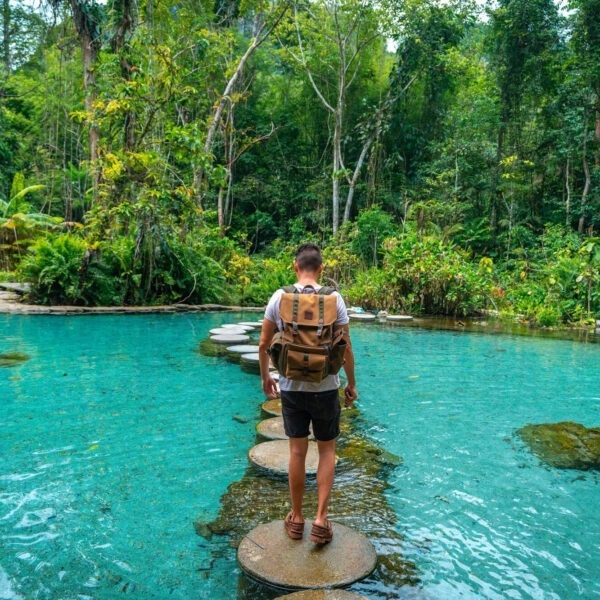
[[350, 393], [266, 337]]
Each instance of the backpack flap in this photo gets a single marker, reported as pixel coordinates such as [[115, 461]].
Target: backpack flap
[[305, 309]]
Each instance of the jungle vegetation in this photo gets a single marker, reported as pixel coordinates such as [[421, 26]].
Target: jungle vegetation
[[445, 154]]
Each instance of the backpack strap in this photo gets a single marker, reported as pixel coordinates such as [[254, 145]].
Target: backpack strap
[[289, 289], [321, 314], [325, 291], [295, 312]]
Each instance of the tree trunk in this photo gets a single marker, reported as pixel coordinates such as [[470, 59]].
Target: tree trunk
[[89, 79], [352, 183], [586, 171], [568, 194], [262, 32], [220, 216], [6, 35], [90, 45], [337, 144], [126, 24]]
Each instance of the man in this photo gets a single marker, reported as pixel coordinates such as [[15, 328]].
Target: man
[[305, 402]]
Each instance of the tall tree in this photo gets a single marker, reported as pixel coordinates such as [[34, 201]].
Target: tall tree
[[349, 30]]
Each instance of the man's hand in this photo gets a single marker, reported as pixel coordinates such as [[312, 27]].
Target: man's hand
[[350, 395], [269, 386]]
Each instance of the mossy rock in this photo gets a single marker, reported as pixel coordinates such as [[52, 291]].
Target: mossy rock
[[12, 359], [564, 445], [207, 348]]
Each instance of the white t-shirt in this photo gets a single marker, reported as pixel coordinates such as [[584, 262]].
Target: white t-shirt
[[331, 382]]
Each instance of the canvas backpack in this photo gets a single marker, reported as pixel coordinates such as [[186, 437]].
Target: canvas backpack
[[308, 348]]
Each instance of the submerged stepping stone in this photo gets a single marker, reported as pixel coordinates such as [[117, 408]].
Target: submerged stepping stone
[[398, 318], [362, 317], [269, 555], [322, 595], [229, 339], [275, 456], [273, 429], [228, 331], [272, 407]]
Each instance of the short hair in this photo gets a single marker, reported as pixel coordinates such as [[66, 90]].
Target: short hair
[[308, 257]]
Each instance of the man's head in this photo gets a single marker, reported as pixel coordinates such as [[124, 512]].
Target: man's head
[[308, 259]]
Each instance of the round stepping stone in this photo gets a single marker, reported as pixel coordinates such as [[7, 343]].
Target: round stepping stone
[[243, 349], [252, 324], [229, 339], [237, 326], [269, 555], [275, 456], [272, 407], [273, 429], [235, 352], [399, 318], [250, 362], [322, 595], [362, 317], [228, 331]]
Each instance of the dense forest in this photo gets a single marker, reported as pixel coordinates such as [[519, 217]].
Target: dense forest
[[445, 154]]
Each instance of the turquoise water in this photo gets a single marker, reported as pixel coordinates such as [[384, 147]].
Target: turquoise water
[[117, 436]]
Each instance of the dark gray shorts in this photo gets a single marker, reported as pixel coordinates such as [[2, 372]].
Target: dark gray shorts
[[322, 408]]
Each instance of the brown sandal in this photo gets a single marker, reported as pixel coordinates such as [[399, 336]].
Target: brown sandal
[[321, 535], [293, 529]]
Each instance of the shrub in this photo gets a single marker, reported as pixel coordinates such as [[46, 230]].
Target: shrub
[[423, 275], [53, 266]]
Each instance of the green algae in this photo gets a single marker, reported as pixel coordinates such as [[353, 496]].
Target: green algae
[[564, 445], [12, 359], [358, 500], [208, 348]]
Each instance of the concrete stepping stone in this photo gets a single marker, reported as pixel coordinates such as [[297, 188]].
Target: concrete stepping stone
[[272, 407], [240, 349], [322, 595], [250, 362], [237, 326], [228, 331], [399, 318], [274, 456], [269, 555], [251, 358], [362, 317], [229, 339], [273, 429], [252, 324]]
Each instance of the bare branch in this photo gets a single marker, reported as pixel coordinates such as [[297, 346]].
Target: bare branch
[[305, 64]]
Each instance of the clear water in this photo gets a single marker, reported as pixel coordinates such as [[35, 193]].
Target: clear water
[[116, 436]]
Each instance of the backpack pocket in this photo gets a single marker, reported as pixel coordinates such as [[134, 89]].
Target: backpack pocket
[[337, 352], [276, 351], [305, 363]]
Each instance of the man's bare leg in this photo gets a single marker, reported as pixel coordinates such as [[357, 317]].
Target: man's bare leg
[[297, 475], [325, 474]]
